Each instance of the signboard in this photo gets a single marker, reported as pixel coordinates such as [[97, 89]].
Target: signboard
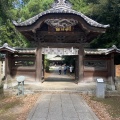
[[60, 51]]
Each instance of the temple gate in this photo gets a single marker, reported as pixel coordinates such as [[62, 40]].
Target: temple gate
[[61, 30]]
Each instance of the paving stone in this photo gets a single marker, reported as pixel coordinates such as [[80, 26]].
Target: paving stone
[[70, 114], [85, 116], [55, 117], [67, 118], [42, 110], [62, 106], [39, 118], [46, 96], [40, 115], [55, 110], [81, 108], [43, 105]]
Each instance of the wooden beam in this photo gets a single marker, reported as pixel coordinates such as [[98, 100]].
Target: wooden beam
[[63, 45]]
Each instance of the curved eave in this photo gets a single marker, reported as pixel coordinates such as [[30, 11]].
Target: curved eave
[[113, 51], [101, 51], [7, 49], [88, 20]]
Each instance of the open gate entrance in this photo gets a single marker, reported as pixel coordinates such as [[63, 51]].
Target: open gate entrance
[[53, 74]]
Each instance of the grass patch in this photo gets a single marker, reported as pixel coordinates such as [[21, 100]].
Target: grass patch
[[8, 117], [8, 103], [112, 104], [16, 107]]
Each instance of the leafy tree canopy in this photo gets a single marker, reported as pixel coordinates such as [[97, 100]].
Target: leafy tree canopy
[[103, 11]]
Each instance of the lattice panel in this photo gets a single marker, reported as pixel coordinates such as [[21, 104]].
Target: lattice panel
[[60, 51]]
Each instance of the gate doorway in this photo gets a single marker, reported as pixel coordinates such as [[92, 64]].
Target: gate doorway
[[54, 80], [52, 63]]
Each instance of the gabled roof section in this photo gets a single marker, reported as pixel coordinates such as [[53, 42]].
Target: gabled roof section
[[108, 51], [57, 58], [114, 49], [5, 47], [60, 7]]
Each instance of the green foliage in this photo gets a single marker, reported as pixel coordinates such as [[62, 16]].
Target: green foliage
[[8, 34], [104, 12], [47, 64], [108, 12], [69, 60], [80, 5], [32, 8]]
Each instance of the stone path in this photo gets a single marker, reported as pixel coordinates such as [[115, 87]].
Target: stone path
[[61, 106], [67, 82]]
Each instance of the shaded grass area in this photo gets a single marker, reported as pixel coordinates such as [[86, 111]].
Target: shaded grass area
[[7, 117], [112, 105], [14, 107]]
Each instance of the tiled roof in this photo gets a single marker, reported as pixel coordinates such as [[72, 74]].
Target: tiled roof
[[27, 51], [113, 49], [102, 51], [95, 51], [5, 47], [60, 7]]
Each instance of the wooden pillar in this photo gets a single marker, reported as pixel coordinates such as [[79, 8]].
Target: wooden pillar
[[7, 66], [112, 77], [39, 64], [43, 68], [77, 69], [109, 69], [80, 63]]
